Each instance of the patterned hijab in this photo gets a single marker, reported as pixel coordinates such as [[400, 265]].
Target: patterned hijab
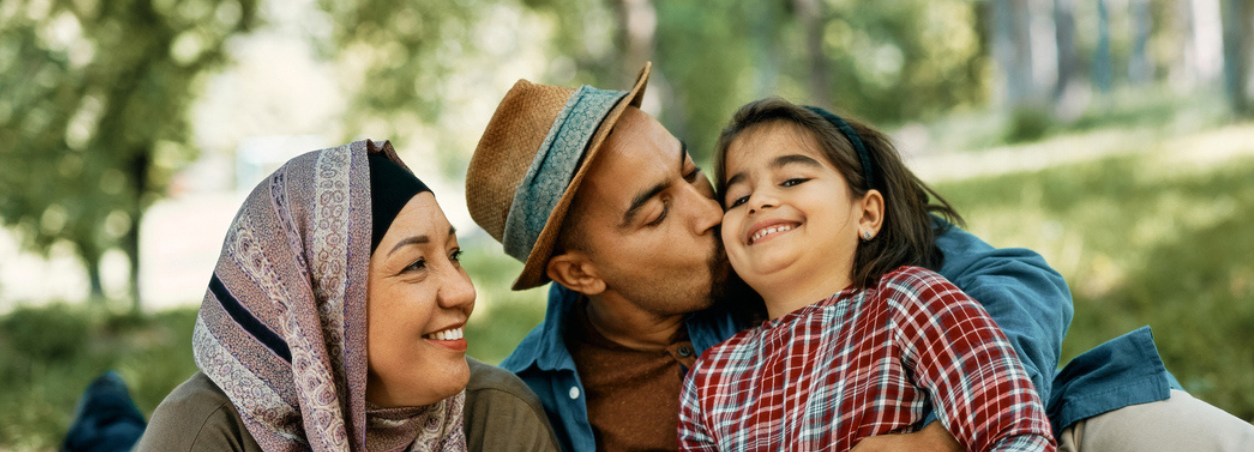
[[282, 328]]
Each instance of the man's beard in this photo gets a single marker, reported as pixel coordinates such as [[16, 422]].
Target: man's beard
[[731, 294], [720, 273]]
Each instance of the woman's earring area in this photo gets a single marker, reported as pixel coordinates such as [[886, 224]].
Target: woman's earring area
[[866, 236]]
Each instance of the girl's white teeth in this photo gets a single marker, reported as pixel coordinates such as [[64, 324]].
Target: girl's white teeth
[[450, 334], [769, 231]]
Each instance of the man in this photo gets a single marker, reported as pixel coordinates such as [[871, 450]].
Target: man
[[592, 193]]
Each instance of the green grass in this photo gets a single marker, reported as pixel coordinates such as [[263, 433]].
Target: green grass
[[1142, 240], [1150, 109], [51, 353]]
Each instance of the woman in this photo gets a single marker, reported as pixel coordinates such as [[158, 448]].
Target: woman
[[333, 322]]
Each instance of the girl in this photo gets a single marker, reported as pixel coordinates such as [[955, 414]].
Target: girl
[[815, 206]]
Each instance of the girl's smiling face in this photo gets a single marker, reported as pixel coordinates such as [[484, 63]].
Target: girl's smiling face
[[791, 225]]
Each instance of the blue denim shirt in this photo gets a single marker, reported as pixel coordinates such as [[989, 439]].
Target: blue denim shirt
[[1028, 300], [1122, 372]]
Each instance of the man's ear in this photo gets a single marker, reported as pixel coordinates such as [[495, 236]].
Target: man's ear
[[872, 213], [574, 270]]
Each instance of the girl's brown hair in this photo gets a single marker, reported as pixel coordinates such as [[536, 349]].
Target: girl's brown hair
[[908, 233]]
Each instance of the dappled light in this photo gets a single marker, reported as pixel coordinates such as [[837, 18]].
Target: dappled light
[[1143, 239], [1115, 138]]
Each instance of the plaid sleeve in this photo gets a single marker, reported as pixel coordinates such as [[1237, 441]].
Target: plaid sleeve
[[693, 435], [961, 358]]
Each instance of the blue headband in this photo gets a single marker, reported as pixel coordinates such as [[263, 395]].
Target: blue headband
[[852, 136]]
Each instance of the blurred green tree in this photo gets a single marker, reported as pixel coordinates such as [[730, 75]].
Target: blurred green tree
[[884, 62], [93, 123], [401, 50], [1238, 33], [887, 63], [706, 68], [404, 56]]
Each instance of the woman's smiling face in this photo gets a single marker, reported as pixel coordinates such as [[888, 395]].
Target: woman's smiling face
[[789, 215], [419, 298]]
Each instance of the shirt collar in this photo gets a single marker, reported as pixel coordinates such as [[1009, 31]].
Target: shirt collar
[[545, 348], [548, 350]]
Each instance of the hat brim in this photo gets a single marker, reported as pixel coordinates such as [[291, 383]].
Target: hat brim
[[534, 272]]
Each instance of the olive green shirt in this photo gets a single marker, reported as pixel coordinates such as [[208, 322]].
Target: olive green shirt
[[501, 414]]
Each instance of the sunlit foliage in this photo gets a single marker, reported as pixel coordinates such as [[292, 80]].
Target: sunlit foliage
[[93, 102]]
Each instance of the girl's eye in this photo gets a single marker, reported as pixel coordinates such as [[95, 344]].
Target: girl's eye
[[456, 255], [419, 264], [794, 181], [738, 201]]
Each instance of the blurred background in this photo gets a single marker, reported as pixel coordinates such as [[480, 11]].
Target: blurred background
[[1112, 136]]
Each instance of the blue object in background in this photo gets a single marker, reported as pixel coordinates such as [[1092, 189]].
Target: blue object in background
[[106, 419]]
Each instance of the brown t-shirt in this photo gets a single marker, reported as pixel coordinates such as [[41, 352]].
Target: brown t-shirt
[[501, 414], [632, 395]]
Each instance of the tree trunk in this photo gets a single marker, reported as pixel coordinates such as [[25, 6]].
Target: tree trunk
[[131, 248], [1069, 100], [810, 16], [766, 74], [1236, 25], [1064, 37], [1012, 49], [139, 179], [1183, 73], [638, 25], [1140, 70], [91, 260], [1101, 58]]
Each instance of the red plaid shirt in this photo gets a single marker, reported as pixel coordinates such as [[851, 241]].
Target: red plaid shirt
[[865, 363]]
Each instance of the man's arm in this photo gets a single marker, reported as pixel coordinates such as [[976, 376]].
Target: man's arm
[[957, 354], [1029, 300], [934, 438]]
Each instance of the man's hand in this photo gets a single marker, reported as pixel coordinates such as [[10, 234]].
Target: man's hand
[[934, 438]]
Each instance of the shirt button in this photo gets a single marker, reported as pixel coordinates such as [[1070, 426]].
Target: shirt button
[[685, 351], [574, 392]]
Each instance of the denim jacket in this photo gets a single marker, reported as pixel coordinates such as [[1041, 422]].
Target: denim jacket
[[1028, 300]]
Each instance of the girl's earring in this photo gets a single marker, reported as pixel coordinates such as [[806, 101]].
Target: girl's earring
[[866, 236]]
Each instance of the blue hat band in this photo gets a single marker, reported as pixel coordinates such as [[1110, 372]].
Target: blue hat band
[[554, 166]]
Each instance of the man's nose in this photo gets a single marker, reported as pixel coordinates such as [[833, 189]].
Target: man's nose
[[708, 213]]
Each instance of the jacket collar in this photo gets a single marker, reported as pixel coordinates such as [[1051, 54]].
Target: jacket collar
[[545, 347]]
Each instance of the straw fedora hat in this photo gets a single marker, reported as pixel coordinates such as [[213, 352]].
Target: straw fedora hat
[[531, 160]]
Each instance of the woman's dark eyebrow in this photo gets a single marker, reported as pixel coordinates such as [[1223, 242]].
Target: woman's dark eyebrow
[[417, 240], [412, 240]]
